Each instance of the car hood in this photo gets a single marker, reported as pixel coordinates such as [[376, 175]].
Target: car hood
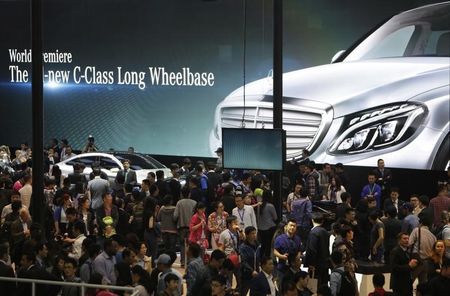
[[353, 86]]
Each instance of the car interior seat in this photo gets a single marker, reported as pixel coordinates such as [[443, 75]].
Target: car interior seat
[[443, 45]]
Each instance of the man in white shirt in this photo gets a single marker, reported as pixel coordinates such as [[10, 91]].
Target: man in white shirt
[[77, 242], [244, 213], [26, 191]]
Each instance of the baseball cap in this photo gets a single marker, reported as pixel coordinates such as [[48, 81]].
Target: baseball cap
[[163, 259]]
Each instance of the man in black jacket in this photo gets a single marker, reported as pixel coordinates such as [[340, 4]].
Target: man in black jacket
[[402, 265], [6, 271], [317, 250], [263, 284]]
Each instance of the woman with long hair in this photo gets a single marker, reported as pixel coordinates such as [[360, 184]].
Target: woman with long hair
[[267, 216], [141, 280], [217, 222], [198, 227], [335, 189], [433, 263]]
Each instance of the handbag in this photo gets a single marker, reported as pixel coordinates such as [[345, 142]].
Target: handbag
[[312, 283]]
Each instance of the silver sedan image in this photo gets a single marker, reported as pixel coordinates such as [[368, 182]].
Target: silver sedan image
[[387, 96]]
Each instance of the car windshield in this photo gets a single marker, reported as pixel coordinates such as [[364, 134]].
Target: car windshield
[[140, 162], [419, 32]]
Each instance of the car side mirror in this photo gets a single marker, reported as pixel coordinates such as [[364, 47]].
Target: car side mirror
[[337, 56]]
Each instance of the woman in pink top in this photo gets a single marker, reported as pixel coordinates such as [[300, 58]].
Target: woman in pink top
[[198, 227]]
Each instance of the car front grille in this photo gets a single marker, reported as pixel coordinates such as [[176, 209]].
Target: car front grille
[[303, 125]]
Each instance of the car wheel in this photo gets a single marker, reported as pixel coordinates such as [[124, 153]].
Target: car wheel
[[442, 160]]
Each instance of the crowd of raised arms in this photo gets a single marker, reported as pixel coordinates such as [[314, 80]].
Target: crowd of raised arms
[[210, 231]]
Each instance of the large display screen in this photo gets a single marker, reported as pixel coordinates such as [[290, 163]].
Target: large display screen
[[166, 76], [260, 149]]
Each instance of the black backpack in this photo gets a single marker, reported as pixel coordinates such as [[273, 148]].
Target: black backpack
[[347, 284]]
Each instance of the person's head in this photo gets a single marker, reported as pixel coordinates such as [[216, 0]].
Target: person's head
[[424, 201], [403, 239], [27, 259], [217, 258], [425, 220], [218, 285], [171, 281], [378, 280], [371, 178], [107, 199], [250, 234], [219, 207], [291, 227], [371, 202], [298, 188], [15, 196], [151, 176], [391, 211], [346, 232], [110, 247], [194, 182], [373, 216], [445, 217], [27, 179], [439, 248], [200, 208], [380, 164], [129, 256], [194, 250], [239, 201], [301, 279], [232, 222], [327, 168], [159, 175], [163, 262], [142, 249], [395, 193], [414, 200], [70, 267], [71, 215], [174, 169], [126, 164], [167, 200], [267, 265], [139, 276], [336, 181], [317, 218], [85, 203], [289, 288], [350, 214], [336, 258], [93, 250]]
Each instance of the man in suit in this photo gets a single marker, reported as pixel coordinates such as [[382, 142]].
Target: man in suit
[[20, 231], [402, 266], [29, 270], [317, 250], [6, 270], [393, 201], [383, 176], [263, 284], [128, 174]]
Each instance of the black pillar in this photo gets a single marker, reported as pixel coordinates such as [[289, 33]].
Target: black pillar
[[278, 91], [37, 200]]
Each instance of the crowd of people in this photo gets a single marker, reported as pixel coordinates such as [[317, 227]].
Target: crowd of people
[[230, 238]]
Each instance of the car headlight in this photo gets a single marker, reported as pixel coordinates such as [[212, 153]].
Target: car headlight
[[378, 128]]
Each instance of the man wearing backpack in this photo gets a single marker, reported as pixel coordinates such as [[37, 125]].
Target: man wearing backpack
[[342, 282]]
